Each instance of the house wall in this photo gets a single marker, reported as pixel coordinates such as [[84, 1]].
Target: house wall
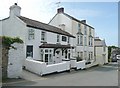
[[71, 26], [100, 59], [62, 19], [0, 28], [15, 61], [51, 38], [14, 27]]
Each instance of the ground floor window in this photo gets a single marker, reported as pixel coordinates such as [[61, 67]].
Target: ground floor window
[[46, 55], [29, 51]]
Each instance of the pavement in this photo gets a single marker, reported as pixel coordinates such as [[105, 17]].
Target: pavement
[[106, 75]]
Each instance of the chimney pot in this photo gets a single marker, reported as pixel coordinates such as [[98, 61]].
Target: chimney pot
[[15, 3], [83, 21]]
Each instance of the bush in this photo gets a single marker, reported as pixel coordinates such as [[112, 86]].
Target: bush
[[7, 41]]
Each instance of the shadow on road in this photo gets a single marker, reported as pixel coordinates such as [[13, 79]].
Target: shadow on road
[[17, 82]]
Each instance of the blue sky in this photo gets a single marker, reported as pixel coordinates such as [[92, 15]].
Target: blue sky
[[103, 16]]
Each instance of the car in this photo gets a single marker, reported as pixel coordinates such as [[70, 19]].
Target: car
[[118, 57]]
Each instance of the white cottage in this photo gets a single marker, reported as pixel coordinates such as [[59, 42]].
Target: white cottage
[[84, 33], [101, 51], [41, 41]]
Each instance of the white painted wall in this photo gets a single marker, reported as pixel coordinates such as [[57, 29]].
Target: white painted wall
[[71, 26], [42, 68], [15, 61], [62, 19], [0, 28]]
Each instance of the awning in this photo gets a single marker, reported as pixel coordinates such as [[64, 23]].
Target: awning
[[45, 45]]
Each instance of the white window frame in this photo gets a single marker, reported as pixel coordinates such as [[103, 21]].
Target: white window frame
[[31, 34], [43, 36], [58, 38], [81, 40]]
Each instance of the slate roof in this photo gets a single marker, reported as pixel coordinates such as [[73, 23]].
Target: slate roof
[[99, 43], [71, 17], [46, 45], [43, 26]]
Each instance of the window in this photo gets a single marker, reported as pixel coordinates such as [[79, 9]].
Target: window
[[91, 55], [90, 41], [89, 31], [81, 55], [85, 30], [29, 51], [85, 41], [85, 55], [78, 54], [31, 34], [81, 40], [64, 38], [104, 48], [58, 38], [68, 40], [78, 40], [43, 36], [79, 27]]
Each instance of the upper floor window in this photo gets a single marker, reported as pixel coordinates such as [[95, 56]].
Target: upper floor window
[[58, 38], [90, 31], [31, 34], [79, 27], [85, 29], [64, 38], [90, 41], [43, 36], [85, 41], [78, 39], [81, 39], [104, 48], [68, 39]]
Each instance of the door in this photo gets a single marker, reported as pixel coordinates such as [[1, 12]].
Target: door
[[46, 58], [29, 51]]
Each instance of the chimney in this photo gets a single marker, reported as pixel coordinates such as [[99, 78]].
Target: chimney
[[60, 10], [83, 21], [15, 10]]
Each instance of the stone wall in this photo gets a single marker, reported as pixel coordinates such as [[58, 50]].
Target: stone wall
[[12, 61], [4, 61]]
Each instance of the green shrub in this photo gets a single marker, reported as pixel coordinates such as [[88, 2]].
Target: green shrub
[[7, 41]]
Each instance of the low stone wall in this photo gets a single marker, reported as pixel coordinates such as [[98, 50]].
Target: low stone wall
[[12, 61], [41, 68], [4, 62], [15, 60]]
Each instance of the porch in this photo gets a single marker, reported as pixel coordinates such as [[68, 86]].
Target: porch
[[55, 53]]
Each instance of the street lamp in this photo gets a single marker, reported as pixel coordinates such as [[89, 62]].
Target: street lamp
[[118, 59]]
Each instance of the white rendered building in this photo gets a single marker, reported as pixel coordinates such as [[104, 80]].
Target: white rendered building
[[101, 51], [41, 41], [84, 33]]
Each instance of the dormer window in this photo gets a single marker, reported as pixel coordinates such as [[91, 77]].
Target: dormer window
[[31, 34]]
